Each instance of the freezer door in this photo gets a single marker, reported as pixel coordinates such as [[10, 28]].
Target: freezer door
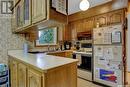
[[111, 78], [108, 65]]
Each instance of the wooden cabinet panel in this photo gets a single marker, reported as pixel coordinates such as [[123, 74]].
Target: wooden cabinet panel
[[22, 14], [13, 73], [67, 33], [88, 24], [79, 26], [34, 79], [102, 20], [61, 54], [19, 14], [22, 75], [68, 54], [39, 10], [116, 17], [13, 22], [26, 75], [73, 31], [27, 13]]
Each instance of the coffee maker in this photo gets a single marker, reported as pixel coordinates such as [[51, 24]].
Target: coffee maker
[[67, 45]]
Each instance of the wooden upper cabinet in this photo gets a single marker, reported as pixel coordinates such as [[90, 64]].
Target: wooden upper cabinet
[[88, 24], [22, 75], [110, 18], [34, 79], [37, 13], [66, 33], [13, 21], [13, 73], [22, 14], [73, 31], [39, 10], [26, 13], [19, 14], [79, 26], [102, 20], [116, 17]]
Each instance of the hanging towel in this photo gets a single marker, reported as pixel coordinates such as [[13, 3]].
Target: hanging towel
[[78, 56]]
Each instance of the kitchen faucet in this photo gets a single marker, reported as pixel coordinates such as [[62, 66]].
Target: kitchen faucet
[[48, 47]]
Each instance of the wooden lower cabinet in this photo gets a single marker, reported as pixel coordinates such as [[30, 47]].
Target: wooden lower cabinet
[[62, 54], [13, 73], [69, 54], [25, 75], [34, 78], [22, 75]]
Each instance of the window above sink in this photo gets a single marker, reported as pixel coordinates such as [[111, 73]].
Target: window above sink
[[47, 36]]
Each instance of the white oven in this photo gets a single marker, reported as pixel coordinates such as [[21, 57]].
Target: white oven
[[84, 64]]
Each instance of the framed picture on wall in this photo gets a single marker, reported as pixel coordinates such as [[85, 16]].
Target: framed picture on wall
[[47, 36]]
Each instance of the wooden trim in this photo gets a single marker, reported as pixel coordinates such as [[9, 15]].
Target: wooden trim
[[50, 44]]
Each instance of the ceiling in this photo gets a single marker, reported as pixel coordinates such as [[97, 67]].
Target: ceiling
[[73, 5]]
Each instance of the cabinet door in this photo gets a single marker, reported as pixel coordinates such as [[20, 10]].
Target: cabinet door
[[27, 12], [88, 24], [38, 10], [68, 54], [13, 71], [13, 21], [116, 17], [62, 54], [22, 75], [102, 20], [19, 14], [73, 31], [34, 79], [67, 33], [79, 26]]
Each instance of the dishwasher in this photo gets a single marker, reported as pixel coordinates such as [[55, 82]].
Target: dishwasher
[[4, 75]]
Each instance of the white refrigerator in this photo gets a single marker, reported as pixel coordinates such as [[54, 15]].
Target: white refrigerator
[[108, 55]]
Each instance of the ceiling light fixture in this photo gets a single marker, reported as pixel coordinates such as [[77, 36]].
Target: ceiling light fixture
[[84, 5]]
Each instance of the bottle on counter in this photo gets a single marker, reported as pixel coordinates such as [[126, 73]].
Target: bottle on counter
[[25, 47]]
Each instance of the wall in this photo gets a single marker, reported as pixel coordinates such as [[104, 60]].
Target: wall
[[7, 39]]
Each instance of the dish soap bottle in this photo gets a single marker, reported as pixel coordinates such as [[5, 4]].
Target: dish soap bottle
[[25, 47]]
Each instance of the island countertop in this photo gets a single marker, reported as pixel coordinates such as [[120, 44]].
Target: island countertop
[[41, 61]]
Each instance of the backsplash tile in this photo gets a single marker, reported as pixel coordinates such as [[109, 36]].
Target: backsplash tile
[[8, 40]]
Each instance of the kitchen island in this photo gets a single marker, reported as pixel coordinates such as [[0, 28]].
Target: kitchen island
[[41, 70]]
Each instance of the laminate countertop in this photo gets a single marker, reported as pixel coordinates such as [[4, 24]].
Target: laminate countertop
[[41, 61]]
